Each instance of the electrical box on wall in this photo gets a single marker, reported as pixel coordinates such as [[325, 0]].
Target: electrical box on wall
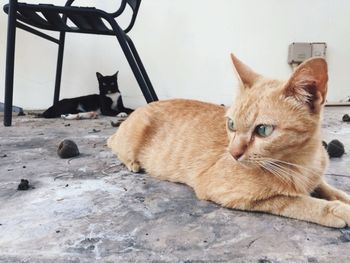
[[319, 49], [300, 51]]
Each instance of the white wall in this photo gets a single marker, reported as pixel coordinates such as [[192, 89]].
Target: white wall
[[185, 46]]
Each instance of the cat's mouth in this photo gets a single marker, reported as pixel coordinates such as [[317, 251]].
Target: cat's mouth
[[243, 161]]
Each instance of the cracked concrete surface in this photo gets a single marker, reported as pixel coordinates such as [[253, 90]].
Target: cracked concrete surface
[[91, 209]]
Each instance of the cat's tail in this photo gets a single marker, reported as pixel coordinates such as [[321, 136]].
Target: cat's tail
[[49, 113], [127, 110]]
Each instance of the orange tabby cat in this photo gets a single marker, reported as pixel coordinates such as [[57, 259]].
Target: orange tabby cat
[[263, 154]]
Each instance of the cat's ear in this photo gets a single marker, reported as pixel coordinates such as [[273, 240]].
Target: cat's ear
[[308, 83], [98, 75], [245, 75], [116, 74]]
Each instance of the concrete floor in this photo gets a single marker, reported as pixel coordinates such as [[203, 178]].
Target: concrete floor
[[91, 209]]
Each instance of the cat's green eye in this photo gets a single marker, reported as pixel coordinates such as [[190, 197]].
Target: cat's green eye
[[264, 130], [231, 125]]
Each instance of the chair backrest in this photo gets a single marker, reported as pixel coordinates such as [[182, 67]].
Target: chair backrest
[[134, 5], [89, 20]]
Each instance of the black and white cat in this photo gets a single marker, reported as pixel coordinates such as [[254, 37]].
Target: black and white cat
[[109, 102]]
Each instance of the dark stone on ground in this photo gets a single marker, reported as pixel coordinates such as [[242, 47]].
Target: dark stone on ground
[[335, 149], [346, 118], [94, 131], [67, 149], [23, 185]]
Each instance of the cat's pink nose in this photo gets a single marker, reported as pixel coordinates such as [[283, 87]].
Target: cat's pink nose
[[238, 146], [237, 154], [238, 151]]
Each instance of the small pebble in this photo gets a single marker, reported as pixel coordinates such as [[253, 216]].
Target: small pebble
[[3, 156], [94, 131], [67, 149], [346, 118], [23, 185], [335, 148]]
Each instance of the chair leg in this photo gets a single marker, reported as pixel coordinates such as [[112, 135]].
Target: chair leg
[[132, 62], [137, 73], [59, 67], [142, 69], [10, 62]]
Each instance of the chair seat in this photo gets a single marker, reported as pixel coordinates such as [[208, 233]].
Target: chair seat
[[88, 20]]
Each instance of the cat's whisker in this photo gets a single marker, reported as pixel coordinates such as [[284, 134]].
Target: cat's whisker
[[253, 163], [283, 172], [315, 171], [286, 174], [297, 165], [268, 167], [296, 176], [290, 174]]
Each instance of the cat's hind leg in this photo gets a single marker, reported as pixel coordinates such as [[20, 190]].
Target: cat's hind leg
[[125, 153], [129, 139]]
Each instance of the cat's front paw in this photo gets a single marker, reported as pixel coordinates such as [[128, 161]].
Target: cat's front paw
[[341, 197], [70, 116], [122, 115], [338, 214]]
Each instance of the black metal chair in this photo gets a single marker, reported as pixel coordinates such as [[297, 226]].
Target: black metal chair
[[88, 20]]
